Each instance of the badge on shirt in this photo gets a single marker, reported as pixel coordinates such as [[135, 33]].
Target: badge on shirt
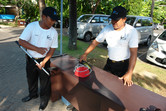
[[122, 38], [48, 37]]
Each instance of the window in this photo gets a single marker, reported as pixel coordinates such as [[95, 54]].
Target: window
[[146, 22], [138, 24], [84, 18], [163, 36], [95, 19], [103, 19], [130, 20]]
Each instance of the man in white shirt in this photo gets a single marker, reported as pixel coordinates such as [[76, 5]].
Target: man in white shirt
[[40, 39], [122, 40]]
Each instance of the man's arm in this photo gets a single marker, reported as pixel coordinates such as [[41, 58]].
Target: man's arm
[[88, 50], [27, 45], [48, 56], [132, 61]]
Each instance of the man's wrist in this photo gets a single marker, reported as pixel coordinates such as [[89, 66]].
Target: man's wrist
[[85, 54]]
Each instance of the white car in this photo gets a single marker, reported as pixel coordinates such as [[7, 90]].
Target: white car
[[157, 51]]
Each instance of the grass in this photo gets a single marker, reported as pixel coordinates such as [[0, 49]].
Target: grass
[[145, 75], [97, 60], [13, 24], [150, 77]]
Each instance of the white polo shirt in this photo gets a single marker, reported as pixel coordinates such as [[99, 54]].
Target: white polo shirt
[[119, 42], [37, 36]]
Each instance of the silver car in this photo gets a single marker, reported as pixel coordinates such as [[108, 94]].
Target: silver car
[[90, 25], [144, 26], [157, 51]]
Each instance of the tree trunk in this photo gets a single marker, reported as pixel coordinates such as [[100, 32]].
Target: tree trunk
[[72, 45], [94, 8], [41, 7], [152, 7]]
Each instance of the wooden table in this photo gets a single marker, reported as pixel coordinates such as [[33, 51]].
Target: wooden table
[[101, 91]]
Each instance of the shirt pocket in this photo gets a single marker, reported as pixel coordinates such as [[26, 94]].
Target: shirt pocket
[[123, 42], [35, 39]]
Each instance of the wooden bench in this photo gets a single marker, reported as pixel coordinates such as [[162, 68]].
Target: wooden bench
[[101, 91]]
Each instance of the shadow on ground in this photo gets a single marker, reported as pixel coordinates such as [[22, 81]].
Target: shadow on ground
[[151, 83]]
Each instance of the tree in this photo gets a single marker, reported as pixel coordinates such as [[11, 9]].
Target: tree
[[152, 7], [159, 13], [42, 5], [27, 10], [134, 7], [95, 7], [19, 4], [72, 45]]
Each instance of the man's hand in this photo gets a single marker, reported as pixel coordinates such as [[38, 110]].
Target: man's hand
[[42, 64], [88, 50], [42, 50], [83, 57], [29, 46], [127, 79]]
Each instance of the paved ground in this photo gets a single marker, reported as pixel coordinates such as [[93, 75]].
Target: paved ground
[[13, 84]]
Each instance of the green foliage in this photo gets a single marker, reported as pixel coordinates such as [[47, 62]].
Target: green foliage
[[27, 9], [159, 12], [134, 7], [146, 8], [30, 10], [2, 10], [164, 26], [4, 2]]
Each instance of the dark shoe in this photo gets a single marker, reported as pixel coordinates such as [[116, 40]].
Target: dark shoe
[[28, 98], [70, 107], [43, 105], [74, 109]]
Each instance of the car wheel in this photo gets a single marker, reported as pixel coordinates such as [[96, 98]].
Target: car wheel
[[87, 37], [147, 43]]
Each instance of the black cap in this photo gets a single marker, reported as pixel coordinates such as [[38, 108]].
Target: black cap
[[51, 12], [118, 13]]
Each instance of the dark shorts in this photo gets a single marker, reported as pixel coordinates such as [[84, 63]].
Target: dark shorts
[[117, 68]]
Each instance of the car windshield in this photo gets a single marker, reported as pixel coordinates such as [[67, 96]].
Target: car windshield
[[130, 20], [163, 36], [84, 18]]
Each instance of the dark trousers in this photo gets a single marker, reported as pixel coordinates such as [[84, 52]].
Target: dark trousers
[[117, 68], [33, 75]]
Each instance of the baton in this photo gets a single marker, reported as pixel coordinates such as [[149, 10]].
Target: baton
[[31, 56]]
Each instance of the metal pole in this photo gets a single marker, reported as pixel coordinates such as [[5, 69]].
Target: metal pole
[[31, 57], [61, 27]]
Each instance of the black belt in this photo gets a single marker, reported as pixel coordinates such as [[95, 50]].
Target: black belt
[[119, 61], [38, 58], [34, 58]]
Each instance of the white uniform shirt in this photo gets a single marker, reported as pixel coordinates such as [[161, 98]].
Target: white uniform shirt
[[37, 36], [119, 42]]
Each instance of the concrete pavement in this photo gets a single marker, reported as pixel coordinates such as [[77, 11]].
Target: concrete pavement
[[13, 83]]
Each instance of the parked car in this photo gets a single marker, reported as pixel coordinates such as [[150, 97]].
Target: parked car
[[144, 26], [157, 51], [158, 26], [89, 25]]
